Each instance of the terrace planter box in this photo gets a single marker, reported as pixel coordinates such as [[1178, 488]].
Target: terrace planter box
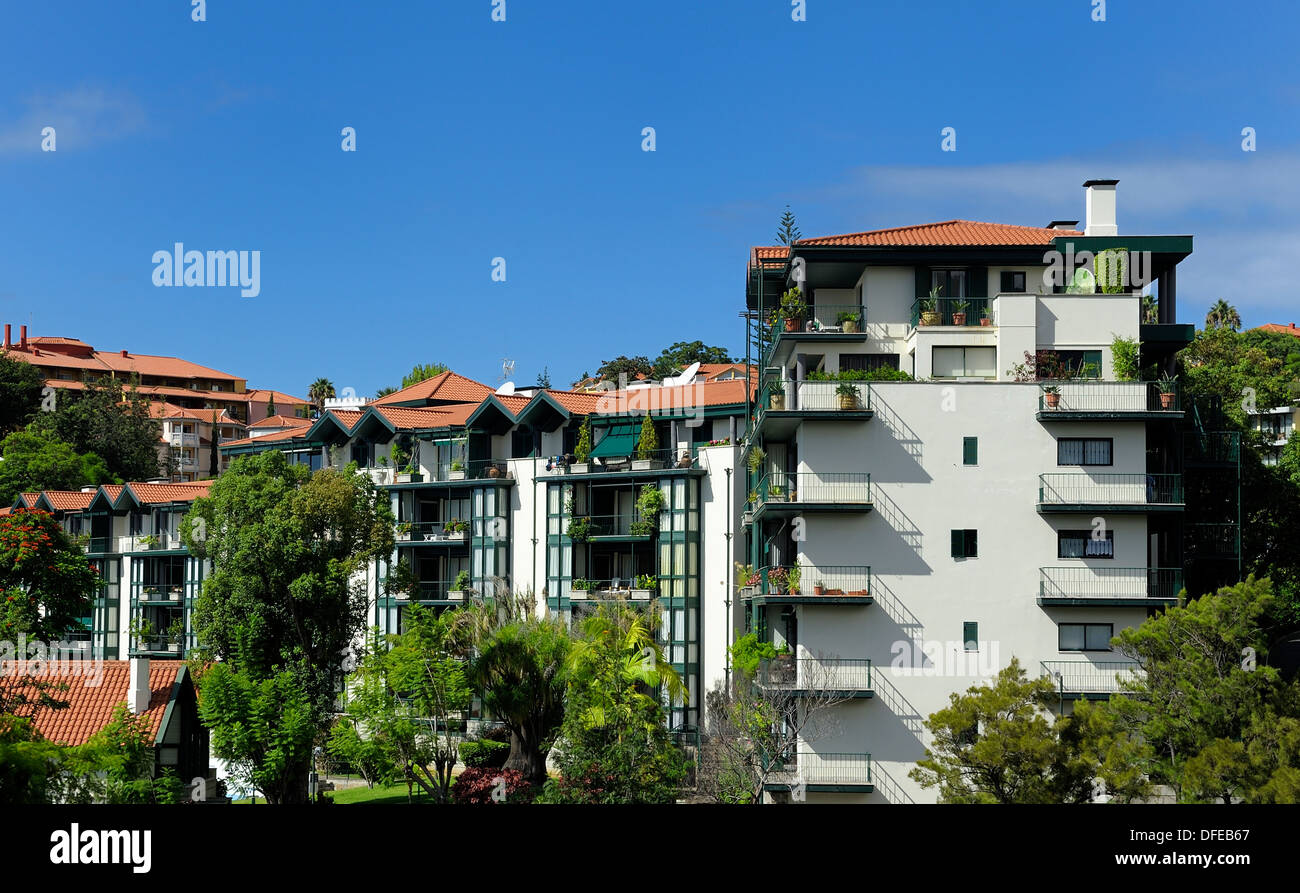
[[402, 596], [746, 518], [174, 595], [579, 594], [456, 475], [412, 478], [456, 595], [580, 468], [646, 464], [776, 402], [404, 536], [641, 595]]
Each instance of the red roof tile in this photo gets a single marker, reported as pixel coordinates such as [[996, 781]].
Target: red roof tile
[[282, 421], [156, 494], [1278, 327], [446, 387], [948, 232], [90, 705], [68, 500], [654, 400]]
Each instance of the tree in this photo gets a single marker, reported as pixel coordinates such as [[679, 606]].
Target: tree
[[756, 730], [21, 386], [1205, 703], [610, 370], [421, 372], [287, 592], [112, 421], [214, 461], [1228, 366], [45, 581], [544, 377], [384, 392], [404, 697], [1223, 315], [263, 725], [787, 233], [518, 668], [683, 353], [995, 744], [613, 745], [647, 444], [36, 462], [321, 389]]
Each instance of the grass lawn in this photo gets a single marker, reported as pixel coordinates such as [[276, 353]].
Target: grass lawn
[[395, 793]]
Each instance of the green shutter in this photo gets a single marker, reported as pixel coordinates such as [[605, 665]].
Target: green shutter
[[970, 634], [922, 282], [977, 282], [970, 450], [959, 544], [972, 548]]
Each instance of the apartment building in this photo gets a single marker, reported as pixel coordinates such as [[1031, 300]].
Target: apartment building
[[131, 534], [1276, 426], [909, 538]]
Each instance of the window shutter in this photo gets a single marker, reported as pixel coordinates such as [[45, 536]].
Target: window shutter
[[970, 450], [922, 282], [959, 544], [972, 543], [970, 633], [977, 282]]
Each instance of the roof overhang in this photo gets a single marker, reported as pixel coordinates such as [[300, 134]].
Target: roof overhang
[[544, 413], [491, 416]]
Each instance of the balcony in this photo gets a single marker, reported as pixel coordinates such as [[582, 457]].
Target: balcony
[[618, 589], [155, 542], [825, 323], [947, 311], [822, 772], [99, 545], [1067, 401], [619, 527], [1076, 679], [1121, 493], [783, 494], [435, 592], [789, 402], [827, 585], [451, 472], [1111, 586], [433, 533], [1212, 448], [807, 676], [1215, 541], [660, 461], [159, 593]]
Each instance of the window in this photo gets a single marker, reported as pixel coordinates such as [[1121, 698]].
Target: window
[[1085, 451], [1064, 363], [1083, 544], [951, 283], [970, 451], [965, 362], [965, 544], [868, 362], [1013, 281], [1084, 636], [970, 634]]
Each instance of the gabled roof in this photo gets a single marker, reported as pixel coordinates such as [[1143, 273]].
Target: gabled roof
[[92, 697], [163, 494], [445, 387], [67, 500], [1278, 327], [657, 401], [281, 421], [262, 395]]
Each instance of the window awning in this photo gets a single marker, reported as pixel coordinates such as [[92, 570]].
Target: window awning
[[620, 440]]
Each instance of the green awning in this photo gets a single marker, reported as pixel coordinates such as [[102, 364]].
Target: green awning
[[619, 440]]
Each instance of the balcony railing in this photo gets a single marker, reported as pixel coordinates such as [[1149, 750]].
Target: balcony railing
[[1083, 677], [1110, 489], [820, 319], [657, 459], [1212, 446], [618, 587], [156, 542], [818, 396], [944, 308], [816, 674], [159, 592], [436, 591], [829, 581], [827, 487], [98, 545], [1212, 540], [1109, 583], [811, 768], [1106, 397], [620, 525], [432, 532]]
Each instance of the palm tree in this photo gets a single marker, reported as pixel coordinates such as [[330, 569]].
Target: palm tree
[[321, 390], [1223, 316]]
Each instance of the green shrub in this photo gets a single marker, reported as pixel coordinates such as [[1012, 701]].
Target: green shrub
[[484, 754]]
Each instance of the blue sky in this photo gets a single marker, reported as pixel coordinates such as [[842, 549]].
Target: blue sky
[[522, 139]]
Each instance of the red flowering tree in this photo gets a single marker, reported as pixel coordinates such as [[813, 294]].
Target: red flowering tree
[[46, 583]]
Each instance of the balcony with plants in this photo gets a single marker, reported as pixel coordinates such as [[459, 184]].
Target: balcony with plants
[[805, 584], [794, 319]]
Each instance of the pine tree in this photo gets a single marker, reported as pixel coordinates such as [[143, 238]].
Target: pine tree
[[648, 445], [788, 233]]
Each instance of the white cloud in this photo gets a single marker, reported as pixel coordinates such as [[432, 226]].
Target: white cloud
[[81, 117]]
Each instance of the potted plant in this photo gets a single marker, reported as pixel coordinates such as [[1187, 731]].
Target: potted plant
[[579, 530], [174, 592], [930, 308], [783, 669], [793, 309], [776, 395], [847, 394], [146, 542], [455, 529], [142, 631], [403, 531], [792, 579], [755, 459], [984, 316], [494, 470], [645, 584], [1052, 394], [848, 321], [458, 589], [778, 579], [1168, 385], [647, 447], [959, 312], [580, 588], [746, 579], [175, 635], [582, 452], [819, 588], [457, 472], [410, 474]]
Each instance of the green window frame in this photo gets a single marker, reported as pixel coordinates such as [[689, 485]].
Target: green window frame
[[970, 451], [965, 544], [970, 635]]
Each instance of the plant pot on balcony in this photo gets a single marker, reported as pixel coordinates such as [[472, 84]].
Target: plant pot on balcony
[[985, 321], [850, 326], [493, 471], [641, 595], [409, 477], [1166, 400], [646, 464], [819, 589], [456, 595], [776, 402], [959, 319], [793, 323], [847, 401], [456, 475], [580, 468], [1052, 398], [930, 318]]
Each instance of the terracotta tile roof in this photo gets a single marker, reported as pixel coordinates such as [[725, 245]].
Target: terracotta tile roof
[[54, 339], [90, 705], [281, 421], [514, 402], [446, 387], [348, 417], [162, 391], [53, 352], [272, 437], [155, 494], [166, 410], [112, 491], [68, 500], [1278, 327], [949, 232], [29, 499], [407, 417], [655, 400], [262, 395], [578, 402]]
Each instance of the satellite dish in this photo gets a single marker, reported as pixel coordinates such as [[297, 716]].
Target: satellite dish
[[506, 389], [688, 375]]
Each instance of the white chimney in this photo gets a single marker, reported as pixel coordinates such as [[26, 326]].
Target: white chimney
[[1100, 208], [138, 695]]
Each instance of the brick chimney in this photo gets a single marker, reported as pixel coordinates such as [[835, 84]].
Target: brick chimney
[[124, 353], [8, 329], [22, 338], [138, 694]]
